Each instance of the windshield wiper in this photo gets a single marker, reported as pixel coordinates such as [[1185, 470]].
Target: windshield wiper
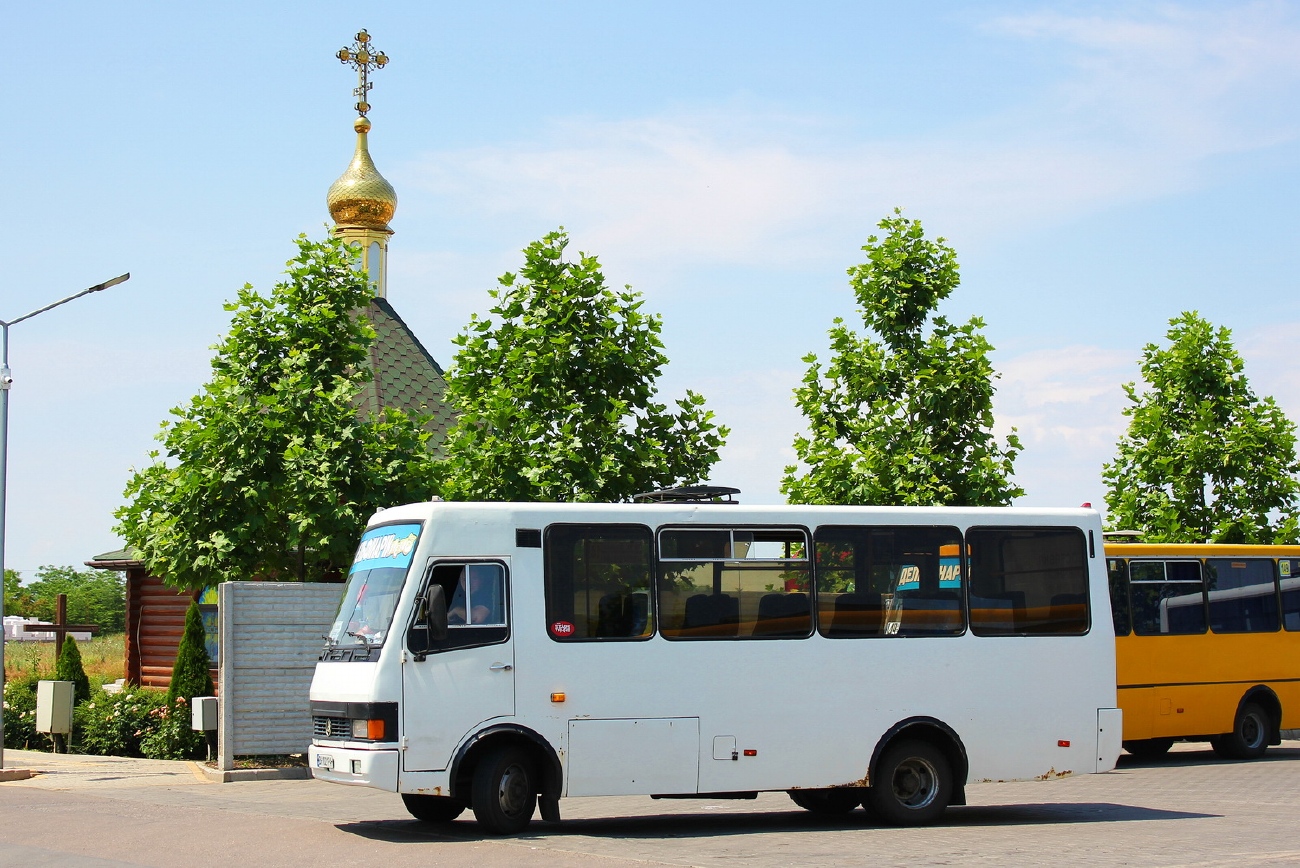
[[364, 639]]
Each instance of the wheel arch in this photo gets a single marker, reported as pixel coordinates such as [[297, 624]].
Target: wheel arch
[[550, 773], [937, 733], [1263, 696]]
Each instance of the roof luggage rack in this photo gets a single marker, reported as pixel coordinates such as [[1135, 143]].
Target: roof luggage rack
[[689, 494]]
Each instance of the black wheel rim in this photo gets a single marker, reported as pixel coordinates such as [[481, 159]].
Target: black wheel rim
[[512, 790], [916, 783], [1252, 730]]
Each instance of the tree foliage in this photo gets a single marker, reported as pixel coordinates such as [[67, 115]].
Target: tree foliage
[[556, 393], [269, 471], [190, 673], [905, 419], [1203, 458], [68, 667], [94, 596]]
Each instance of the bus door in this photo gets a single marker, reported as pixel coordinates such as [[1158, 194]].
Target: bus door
[[451, 686]]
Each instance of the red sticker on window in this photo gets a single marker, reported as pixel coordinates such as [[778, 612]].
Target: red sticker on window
[[562, 629]]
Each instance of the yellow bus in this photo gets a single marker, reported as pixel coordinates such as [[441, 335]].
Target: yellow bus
[[1207, 642]]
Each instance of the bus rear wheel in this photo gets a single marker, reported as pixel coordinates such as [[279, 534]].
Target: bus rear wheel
[[1149, 748], [912, 786], [833, 802], [1249, 736], [432, 809], [504, 795]]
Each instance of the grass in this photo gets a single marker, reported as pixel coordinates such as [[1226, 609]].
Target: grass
[[103, 658]]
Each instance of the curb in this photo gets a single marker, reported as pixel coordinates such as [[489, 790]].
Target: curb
[[15, 774], [228, 776]]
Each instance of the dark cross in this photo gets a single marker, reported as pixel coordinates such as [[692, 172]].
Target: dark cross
[[60, 627], [364, 59]]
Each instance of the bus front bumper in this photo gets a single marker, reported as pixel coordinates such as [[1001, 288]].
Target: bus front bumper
[[362, 768]]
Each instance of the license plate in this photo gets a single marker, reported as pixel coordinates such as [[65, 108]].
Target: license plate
[[324, 761]]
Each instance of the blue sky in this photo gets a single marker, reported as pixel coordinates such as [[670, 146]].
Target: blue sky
[[1099, 167]]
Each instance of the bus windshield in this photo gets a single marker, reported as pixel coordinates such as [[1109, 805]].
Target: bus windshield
[[374, 585]]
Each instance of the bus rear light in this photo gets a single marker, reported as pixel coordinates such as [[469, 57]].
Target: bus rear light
[[1063, 743], [557, 697], [750, 752], [371, 729]]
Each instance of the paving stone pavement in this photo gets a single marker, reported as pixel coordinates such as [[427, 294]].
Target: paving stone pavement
[[1190, 809]]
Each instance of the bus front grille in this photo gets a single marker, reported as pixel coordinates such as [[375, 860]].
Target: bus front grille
[[331, 727]]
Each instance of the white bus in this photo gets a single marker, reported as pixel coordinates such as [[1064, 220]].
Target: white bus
[[498, 656]]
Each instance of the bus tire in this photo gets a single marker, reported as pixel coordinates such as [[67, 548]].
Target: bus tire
[[504, 791], [912, 784], [1149, 748], [432, 809], [1249, 736], [830, 803]]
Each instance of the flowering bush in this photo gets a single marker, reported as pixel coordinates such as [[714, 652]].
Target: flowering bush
[[20, 715], [170, 736], [114, 724]]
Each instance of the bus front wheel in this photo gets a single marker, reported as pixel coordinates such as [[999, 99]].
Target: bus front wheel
[[432, 809], [1149, 748], [504, 795], [840, 800], [1249, 736], [912, 784]]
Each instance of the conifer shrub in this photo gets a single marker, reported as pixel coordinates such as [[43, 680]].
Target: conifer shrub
[[190, 674], [68, 668]]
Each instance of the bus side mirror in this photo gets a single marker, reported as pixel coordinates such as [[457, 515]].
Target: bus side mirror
[[435, 613]]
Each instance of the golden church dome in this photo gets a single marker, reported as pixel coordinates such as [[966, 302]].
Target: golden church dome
[[361, 196]]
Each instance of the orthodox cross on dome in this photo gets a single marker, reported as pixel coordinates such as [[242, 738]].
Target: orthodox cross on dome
[[363, 57]]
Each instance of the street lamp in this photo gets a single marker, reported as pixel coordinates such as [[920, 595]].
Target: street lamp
[[6, 380]]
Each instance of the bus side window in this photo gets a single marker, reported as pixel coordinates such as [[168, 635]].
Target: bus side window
[[1243, 595], [1028, 581], [1167, 597], [1117, 571], [888, 581], [1288, 570], [598, 582]]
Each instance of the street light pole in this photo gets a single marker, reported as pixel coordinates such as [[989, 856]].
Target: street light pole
[[6, 380]]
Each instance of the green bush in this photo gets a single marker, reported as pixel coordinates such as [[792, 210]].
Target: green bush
[[170, 735], [190, 675], [20, 715], [114, 724], [68, 668]]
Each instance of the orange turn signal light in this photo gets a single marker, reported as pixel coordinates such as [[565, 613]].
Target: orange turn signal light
[[375, 730], [557, 697]]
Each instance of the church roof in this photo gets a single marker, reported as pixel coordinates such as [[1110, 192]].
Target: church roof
[[406, 377]]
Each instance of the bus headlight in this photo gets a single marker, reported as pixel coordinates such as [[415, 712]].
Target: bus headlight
[[371, 729]]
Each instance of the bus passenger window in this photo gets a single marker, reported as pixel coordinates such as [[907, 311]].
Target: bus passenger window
[[1288, 570], [1028, 581], [1243, 595], [598, 582], [885, 581], [741, 583], [1166, 597], [1117, 571]]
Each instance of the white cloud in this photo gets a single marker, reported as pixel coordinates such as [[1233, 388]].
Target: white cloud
[[1146, 102]]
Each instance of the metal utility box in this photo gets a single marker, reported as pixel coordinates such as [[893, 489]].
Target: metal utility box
[[54, 706], [203, 713]]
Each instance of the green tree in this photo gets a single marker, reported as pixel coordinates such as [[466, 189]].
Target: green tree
[[94, 596], [190, 673], [556, 395], [68, 668], [906, 419], [269, 471], [1203, 458], [17, 600]]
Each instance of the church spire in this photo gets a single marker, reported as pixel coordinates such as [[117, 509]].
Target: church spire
[[361, 201]]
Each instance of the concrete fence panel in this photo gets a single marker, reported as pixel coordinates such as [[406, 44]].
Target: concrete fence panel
[[270, 634]]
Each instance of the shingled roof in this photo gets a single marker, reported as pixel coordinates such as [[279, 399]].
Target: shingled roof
[[406, 377]]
